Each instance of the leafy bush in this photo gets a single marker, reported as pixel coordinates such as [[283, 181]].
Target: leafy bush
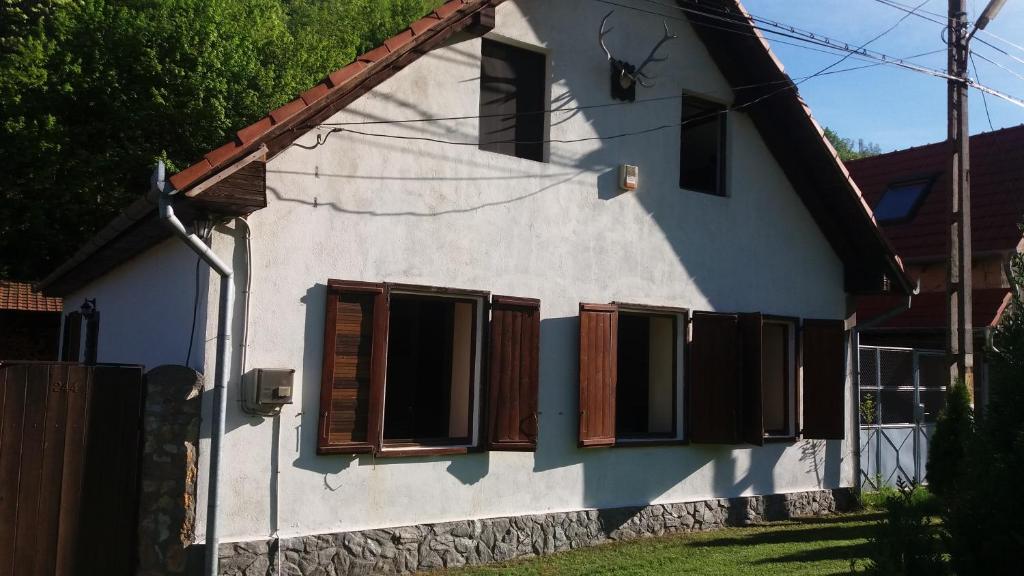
[[908, 541], [983, 513], [947, 451]]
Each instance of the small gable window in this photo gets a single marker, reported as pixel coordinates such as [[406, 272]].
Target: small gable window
[[512, 100], [901, 200], [702, 150]]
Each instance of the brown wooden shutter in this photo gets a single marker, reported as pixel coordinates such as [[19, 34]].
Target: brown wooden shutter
[[714, 384], [599, 327], [824, 379], [354, 364], [513, 373], [751, 332]]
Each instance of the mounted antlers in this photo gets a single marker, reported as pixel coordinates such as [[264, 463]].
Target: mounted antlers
[[629, 75]]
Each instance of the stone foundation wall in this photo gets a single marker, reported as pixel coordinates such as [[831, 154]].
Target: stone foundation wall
[[451, 544]]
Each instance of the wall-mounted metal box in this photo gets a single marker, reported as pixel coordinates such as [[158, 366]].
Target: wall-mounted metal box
[[270, 387]]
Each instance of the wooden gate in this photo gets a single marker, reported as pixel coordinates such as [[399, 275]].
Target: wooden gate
[[70, 440]]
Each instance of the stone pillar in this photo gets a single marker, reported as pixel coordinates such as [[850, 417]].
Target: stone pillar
[[167, 503]]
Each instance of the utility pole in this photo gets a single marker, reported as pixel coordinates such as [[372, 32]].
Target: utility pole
[[960, 345]]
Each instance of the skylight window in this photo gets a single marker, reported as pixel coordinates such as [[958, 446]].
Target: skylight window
[[900, 200]]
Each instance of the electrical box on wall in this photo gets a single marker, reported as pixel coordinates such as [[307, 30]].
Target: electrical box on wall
[[629, 177], [269, 388]]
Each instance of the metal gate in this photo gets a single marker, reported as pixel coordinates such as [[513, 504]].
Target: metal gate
[[69, 462], [902, 391]]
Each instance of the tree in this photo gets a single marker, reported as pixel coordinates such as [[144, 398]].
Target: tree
[[947, 451], [982, 510], [845, 146], [94, 92]]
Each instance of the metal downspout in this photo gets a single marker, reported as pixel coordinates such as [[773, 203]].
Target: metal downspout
[[856, 368], [222, 361]]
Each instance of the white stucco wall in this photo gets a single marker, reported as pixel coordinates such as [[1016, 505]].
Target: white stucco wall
[[375, 209], [146, 308]]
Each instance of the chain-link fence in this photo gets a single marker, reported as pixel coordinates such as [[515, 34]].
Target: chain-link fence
[[901, 392]]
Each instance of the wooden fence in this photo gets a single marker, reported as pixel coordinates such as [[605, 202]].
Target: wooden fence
[[70, 440]]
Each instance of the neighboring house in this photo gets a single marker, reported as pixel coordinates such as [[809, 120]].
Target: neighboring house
[[29, 323], [685, 342], [909, 192]]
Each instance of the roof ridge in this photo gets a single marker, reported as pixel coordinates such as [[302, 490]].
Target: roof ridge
[[979, 135]]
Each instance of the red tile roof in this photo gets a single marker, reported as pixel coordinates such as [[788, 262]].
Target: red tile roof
[[997, 193], [928, 310], [20, 296]]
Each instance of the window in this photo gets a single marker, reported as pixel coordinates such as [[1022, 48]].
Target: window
[[630, 376], [901, 200], [645, 393], [402, 370], [431, 371], [512, 100], [702, 149], [778, 362], [743, 378]]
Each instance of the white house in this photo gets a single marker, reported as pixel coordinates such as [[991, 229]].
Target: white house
[[671, 357]]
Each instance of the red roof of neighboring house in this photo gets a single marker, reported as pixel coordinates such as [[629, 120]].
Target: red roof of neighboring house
[[997, 193], [997, 209], [20, 296], [928, 310]]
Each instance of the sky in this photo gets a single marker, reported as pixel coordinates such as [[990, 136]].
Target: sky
[[886, 105]]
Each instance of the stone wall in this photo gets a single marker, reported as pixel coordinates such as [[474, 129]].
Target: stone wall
[[167, 507], [452, 544]]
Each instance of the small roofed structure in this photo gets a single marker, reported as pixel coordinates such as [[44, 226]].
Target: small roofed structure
[[29, 323]]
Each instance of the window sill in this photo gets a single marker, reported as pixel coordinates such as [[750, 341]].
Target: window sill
[[648, 442], [780, 439], [428, 451]]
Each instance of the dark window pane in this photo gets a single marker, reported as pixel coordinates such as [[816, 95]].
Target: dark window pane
[[897, 368], [632, 389], [899, 200], [897, 406], [645, 390], [512, 101], [775, 378], [428, 386], [702, 150], [934, 401]]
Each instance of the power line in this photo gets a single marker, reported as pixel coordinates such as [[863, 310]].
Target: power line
[[790, 32], [870, 54], [984, 98], [569, 109], [994, 63]]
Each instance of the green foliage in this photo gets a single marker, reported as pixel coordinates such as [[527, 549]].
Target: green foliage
[[921, 497], [947, 451], [94, 92], [907, 541], [976, 473], [983, 516], [850, 150], [868, 409]]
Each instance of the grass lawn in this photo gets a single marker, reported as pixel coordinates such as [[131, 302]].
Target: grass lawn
[[797, 547]]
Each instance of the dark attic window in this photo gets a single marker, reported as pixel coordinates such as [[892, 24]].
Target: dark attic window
[[702, 150], [899, 201], [512, 100]]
